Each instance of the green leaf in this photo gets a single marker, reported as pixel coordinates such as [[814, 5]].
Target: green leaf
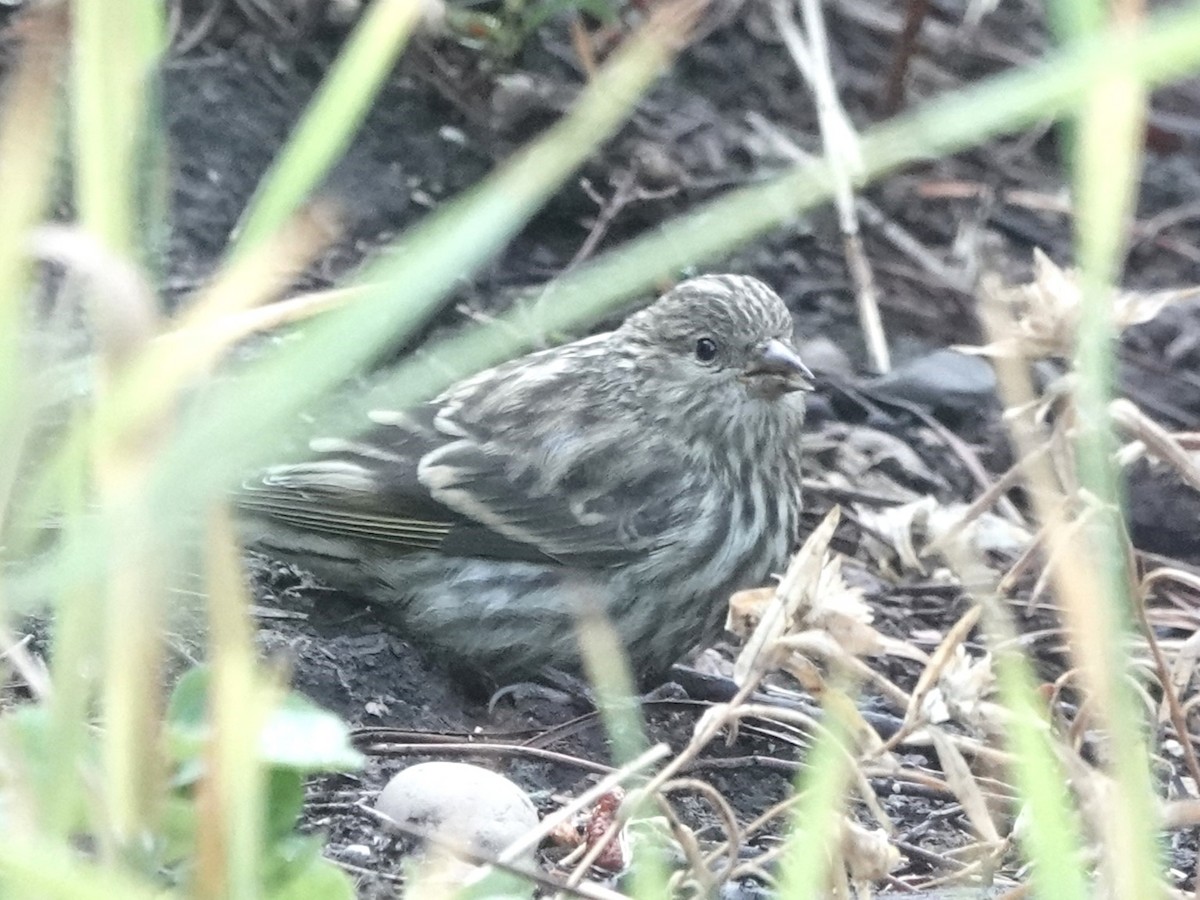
[[178, 829], [187, 723], [302, 736], [27, 733], [499, 885], [285, 801], [302, 873], [541, 12], [298, 734]]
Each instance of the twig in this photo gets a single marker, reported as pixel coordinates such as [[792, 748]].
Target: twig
[[625, 192], [467, 749], [725, 812], [603, 786], [182, 41], [915, 12], [842, 155], [28, 666], [596, 850], [1140, 591], [582, 42], [1156, 439], [904, 241]]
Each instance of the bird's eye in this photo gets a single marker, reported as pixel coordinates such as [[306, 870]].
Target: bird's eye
[[706, 349]]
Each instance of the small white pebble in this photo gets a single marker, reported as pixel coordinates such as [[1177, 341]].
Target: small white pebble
[[375, 708], [467, 804], [452, 135], [343, 12]]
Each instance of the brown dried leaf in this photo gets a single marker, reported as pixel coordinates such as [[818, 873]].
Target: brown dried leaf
[[600, 822], [835, 624], [868, 852], [806, 672], [961, 780], [1046, 311], [932, 672], [949, 533], [746, 610], [794, 595], [961, 694]]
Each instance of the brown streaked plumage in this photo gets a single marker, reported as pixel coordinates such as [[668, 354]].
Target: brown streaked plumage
[[650, 471]]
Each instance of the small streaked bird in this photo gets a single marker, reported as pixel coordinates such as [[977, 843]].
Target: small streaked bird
[[648, 472]]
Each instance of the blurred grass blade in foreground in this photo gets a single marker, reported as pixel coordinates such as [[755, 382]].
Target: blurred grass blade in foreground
[[340, 104]]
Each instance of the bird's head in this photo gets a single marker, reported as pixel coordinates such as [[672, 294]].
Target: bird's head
[[726, 334]]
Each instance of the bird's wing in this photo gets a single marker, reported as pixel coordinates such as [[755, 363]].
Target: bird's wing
[[594, 513], [360, 489], [482, 473]]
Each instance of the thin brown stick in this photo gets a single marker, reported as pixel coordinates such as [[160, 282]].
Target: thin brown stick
[[809, 49]]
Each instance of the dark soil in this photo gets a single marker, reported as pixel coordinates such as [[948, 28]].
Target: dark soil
[[449, 113]]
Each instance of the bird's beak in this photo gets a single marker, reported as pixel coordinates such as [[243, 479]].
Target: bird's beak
[[781, 366]]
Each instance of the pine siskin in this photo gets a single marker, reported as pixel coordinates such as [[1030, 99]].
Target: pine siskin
[[649, 472]]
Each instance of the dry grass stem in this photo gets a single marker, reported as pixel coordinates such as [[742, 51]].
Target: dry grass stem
[[810, 51], [518, 848]]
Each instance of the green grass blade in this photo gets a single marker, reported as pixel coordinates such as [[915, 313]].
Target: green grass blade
[[1053, 841], [814, 838], [27, 153], [116, 48], [1109, 131]]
